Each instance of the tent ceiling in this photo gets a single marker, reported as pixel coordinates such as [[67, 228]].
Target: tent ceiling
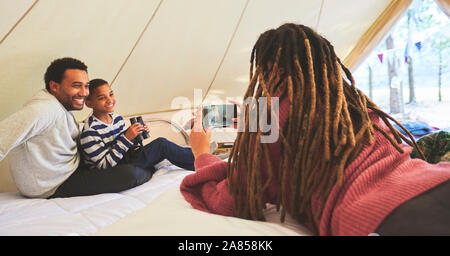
[[155, 51], [341, 25], [10, 13]]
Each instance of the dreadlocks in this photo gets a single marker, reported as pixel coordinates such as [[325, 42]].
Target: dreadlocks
[[327, 124]]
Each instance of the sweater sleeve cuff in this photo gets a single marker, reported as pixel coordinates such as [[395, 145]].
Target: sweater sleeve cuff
[[205, 159], [126, 141]]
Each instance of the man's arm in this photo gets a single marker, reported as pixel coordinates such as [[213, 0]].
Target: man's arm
[[20, 127]]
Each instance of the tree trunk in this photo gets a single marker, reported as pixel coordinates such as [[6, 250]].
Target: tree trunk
[[394, 96], [370, 82], [440, 75], [412, 95], [409, 61], [402, 105]]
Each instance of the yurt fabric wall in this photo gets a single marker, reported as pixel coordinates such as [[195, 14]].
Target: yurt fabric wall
[[155, 51]]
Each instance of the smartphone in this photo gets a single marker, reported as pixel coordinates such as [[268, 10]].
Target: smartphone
[[219, 115]]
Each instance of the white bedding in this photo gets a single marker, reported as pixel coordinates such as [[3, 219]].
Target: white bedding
[[154, 208], [82, 215], [171, 215]]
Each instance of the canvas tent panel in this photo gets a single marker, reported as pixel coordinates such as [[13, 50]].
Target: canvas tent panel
[[233, 77], [11, 11], [338, 24], [97, 32], [332, 19], [179, 52], [6, 180], [100, 34]]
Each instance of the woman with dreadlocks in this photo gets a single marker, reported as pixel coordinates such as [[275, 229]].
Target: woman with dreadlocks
[[338, 167]]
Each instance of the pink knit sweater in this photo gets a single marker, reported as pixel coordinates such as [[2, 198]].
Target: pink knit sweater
[[375, 183]]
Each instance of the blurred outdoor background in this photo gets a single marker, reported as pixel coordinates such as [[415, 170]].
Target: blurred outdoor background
[[407, 75]]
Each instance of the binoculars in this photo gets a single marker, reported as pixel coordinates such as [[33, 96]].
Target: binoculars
[[144, 135]]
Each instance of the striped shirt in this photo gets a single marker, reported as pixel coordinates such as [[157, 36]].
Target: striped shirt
[[104, 145]]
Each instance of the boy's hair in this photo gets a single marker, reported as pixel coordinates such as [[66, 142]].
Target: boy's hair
[[94, 83], [57, 68]]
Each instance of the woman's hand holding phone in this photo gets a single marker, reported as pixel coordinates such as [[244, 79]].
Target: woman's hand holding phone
[[199, 137]]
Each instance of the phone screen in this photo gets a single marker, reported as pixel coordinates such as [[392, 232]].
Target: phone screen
[[219, 115]]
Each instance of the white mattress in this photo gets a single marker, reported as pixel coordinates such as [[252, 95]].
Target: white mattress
[[154, 208], [171, 215]]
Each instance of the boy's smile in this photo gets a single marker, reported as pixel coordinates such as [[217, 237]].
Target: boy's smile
[[101, 100]]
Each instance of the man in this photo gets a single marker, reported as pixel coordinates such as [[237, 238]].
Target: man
[[42, 137]]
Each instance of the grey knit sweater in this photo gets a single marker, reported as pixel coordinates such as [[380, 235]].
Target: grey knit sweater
[[41, 140]]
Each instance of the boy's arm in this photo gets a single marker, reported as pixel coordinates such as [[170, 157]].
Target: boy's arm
[[21, 126], [103, 155]]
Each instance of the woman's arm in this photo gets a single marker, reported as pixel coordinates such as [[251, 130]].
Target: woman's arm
[[207, 188]]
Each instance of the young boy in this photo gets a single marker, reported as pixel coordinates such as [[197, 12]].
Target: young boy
[[105, 142]]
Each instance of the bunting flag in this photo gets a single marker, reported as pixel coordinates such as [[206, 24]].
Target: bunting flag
[[418, 45], [380, 56], [413, 38]]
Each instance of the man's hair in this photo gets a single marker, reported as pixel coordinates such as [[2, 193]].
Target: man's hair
[[55, 71], [327, 125], [94, 83]]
